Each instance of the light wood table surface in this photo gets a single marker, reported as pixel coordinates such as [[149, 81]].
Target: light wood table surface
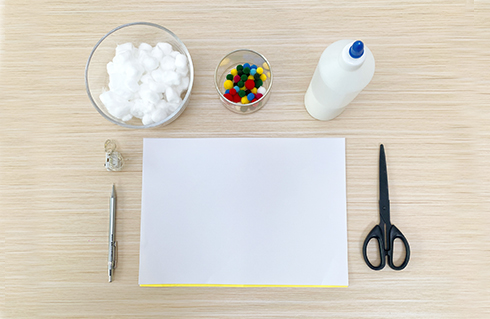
[[427, 103]]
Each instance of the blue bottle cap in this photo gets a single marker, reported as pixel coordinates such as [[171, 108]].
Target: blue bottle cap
[[357, 49]]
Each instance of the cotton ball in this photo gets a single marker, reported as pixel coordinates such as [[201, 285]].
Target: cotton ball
[[140, 108], [150, 63], [157, 75], [174, 54], [126, 47], [159, 87], [127, 117], [171, 78], [116, 80], [184, 84], [148, 95], [261, 90], [157, 53], [167, 63], [180, 61], [125, 93], [146, 120], [145, 47], [116, 105], [183, 71], [146, 78], [122, 58], [122, 110], [133, 70], [165, 47], [172, 107], [111, 68], [132, 85], [171, 95], [159, 114]]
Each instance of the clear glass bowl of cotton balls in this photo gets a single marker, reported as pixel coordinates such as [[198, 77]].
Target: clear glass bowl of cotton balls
[[139, 75]]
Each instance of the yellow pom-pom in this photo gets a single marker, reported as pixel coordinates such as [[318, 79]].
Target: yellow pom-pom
[[251, 77], [260, 70], [263, 77], [245, 100], [254, 90], [243, 88], [234, 72], [228, 84]]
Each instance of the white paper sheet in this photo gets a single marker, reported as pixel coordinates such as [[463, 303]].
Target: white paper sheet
[[244, 211]]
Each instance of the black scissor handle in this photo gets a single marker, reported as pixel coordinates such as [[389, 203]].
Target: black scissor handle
[[394, 234], [375, 233]]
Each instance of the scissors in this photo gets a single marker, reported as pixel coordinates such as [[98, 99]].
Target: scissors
[[385, 233]]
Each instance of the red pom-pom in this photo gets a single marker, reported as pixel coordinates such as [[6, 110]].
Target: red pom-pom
[[228, 96], [232, 91], [259, 96], [249, 84], [237, 98], [255, 99], [236, 79]]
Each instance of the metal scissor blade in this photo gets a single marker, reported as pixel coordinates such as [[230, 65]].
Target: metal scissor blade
[[384, 201]]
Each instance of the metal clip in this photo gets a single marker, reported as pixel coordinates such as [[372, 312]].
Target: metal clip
[[114, 161]]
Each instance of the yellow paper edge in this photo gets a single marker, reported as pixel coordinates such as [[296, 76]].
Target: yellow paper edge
[[226, 285]]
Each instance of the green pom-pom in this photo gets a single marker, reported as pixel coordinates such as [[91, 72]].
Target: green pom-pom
[[256, 76], [246, 70], [240, 84], [258, 83], [244, 77], [239, 67], [240, 72], [229, 77], [242, 93]]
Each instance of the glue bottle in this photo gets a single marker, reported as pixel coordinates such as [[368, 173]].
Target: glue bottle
[[345, 68]]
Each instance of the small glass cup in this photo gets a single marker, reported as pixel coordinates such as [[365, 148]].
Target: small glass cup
[[229, 62]]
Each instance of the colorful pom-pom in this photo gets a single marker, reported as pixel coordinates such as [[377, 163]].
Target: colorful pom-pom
[[237, 98], [250, 96], [240, 84], [253, 71], [263, 77], [236, 88], [239, 67], [242, 93], [228, 96], [250, 84], [254, 90], [251, 77], [229, 77], [233, 72], [246, 65], [246, 71], [227, 91], [236, 78], [259, 70], [258, 83], [232, 92], [228, 84], [253, 67], [245, 100], [244, 77]]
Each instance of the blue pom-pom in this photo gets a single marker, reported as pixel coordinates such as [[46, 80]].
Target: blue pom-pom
[[246, 65], [253, 71], [227, 91], [253, 66], [237, 88], [250, 96]]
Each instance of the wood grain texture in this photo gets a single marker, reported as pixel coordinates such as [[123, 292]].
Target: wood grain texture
[[427, 103]]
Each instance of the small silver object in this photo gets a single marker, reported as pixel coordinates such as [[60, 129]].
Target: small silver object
[[114, 161]]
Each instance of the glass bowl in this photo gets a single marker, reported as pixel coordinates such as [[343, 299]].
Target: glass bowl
[[230, 62], [97, 77]]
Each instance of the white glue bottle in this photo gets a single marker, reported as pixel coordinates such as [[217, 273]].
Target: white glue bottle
[[345, 68]]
